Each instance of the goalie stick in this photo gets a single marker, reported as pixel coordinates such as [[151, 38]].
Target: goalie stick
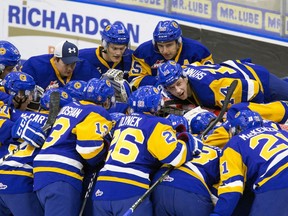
[[53, 112], [228, 96]]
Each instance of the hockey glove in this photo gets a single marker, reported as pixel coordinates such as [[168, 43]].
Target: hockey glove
[[194, 145], [120, 85], [29, 131]]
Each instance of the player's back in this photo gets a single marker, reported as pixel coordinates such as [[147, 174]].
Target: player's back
[[17, 171], [196, 176], [133, 155], [59, 155], [264, 151]]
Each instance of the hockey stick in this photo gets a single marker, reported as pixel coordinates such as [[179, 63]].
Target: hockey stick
[[88, 191], [53, 112], [159, 180], [228, 96], [87, 194]]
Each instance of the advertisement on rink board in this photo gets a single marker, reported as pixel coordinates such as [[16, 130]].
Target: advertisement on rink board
[[35, 27]]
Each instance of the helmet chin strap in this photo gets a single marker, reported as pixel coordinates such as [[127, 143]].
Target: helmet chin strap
[[19, 102], [2, 68]]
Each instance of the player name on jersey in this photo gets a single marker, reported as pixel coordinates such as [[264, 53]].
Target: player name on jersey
[[256, 132], [130, 121], [71, 111]]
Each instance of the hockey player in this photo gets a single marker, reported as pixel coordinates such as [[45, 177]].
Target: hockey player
[[141, 142], [53, 71], [188, 190], [207, 85], [115, 52], [16, 176], [167, 44], [276, 111], [9, 58], [75, 142], [255, 156]]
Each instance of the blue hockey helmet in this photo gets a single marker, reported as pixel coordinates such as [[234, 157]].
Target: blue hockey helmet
[[75, 88], [201, 121], [9, 55], [243, 120], [65, 98], [169, 73], [115, 33], [178, 122], [15, 82], [145, 99], [115, 118], [99, 90], [166, 31]]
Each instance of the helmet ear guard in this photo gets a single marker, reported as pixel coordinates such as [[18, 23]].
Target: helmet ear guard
[[2, 67]]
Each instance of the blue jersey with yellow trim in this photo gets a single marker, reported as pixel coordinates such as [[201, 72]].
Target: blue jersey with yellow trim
[[16, 173], [219, 135], [45, 73], [76, 139], [196, 176], [276, 111], [256, 158], [3, 95], [210, 82], [146, 60], [141, 143], [93, 55]]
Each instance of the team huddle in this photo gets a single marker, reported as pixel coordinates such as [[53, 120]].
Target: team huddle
[[114, 131]]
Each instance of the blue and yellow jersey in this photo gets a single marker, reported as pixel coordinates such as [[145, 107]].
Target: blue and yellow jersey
[[196, 176], [4, 97], [141, 143], [146, 60], [16, 173], [76, 139], [219, 135], [93, 55], [256, 158], [276, 111], [44, 71], [210, 82]]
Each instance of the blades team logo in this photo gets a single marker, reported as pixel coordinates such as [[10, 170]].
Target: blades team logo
[[2, 186], [168, 179], [157, 64], [98, 193], [53, 84]]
